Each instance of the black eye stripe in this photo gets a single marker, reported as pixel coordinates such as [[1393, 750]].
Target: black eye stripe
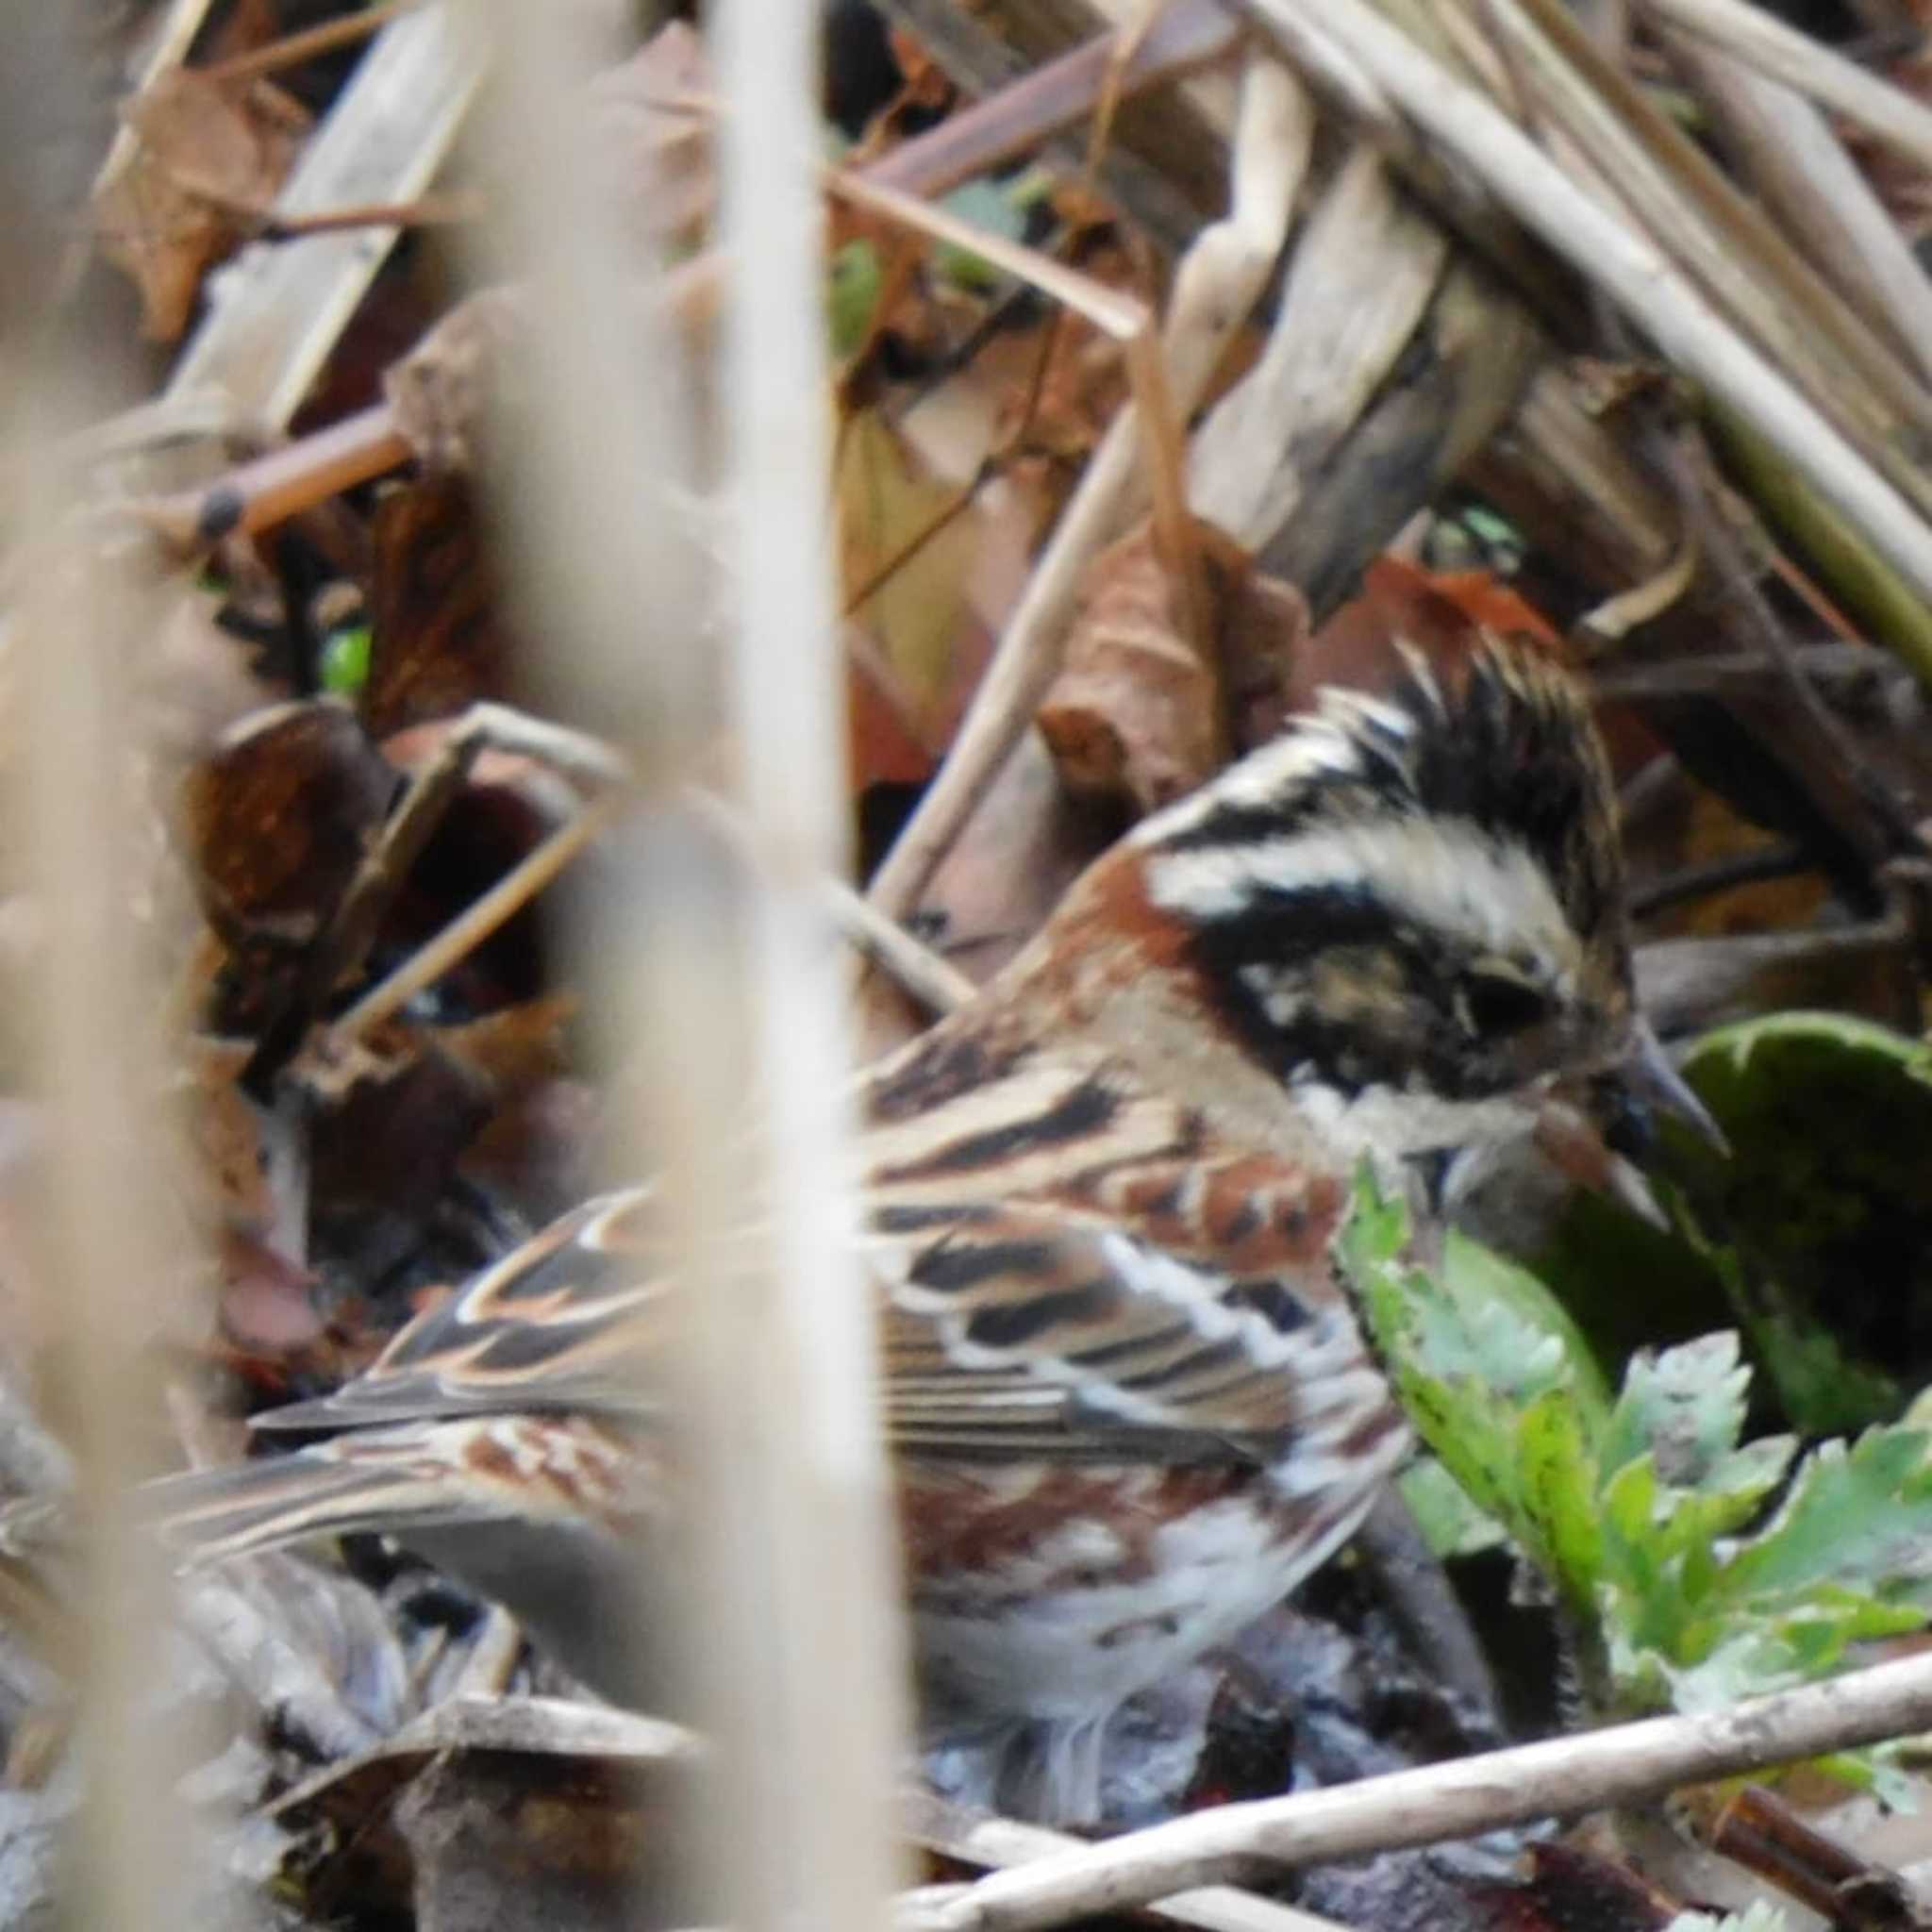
[[1500, 1002]]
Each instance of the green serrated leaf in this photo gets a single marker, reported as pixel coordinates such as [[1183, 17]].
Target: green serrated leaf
[[1557, 1478], [1450, 1523], [1860, 1515], [1479, 1278], [1633, 1503], [1683, 1407], [1463, 1369]]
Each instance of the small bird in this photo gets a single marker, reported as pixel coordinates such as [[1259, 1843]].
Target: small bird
[[1129, 1405]]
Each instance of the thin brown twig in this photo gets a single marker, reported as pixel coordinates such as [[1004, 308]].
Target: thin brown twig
[[256, 496], [915, 968], [425, 211], [483, 916], [1704, 881], [1720, 544], [1758, 1830], [292, 49], [272, 487]]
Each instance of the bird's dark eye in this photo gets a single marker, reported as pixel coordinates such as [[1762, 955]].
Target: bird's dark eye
[[1499, 1004]]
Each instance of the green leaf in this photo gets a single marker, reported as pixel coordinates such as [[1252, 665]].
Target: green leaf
[[1493, 1378], [344, 666], [1450, 1523], [853, 297], [1479, 1278], [1557, 1476], [1638, 1513], [987, 204], [1684, 1408], [1860, 1515], [1876, 1770], [1823, 1239], [1463, 1372], [1818, 1385]]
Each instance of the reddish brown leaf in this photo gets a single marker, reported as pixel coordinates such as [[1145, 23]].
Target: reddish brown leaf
[[885, 746], [1572, 1890], [278, 816], [1135, 713], [437, 642]]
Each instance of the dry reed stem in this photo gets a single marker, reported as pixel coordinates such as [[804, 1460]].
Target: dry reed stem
[[1556, 1777], [1804, 62], [115, 1270], [1626, 264], [1217, 284], [1809, 184], [722, 991]]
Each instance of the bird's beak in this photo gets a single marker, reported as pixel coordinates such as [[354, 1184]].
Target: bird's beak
[[1598, 1144], [1653, 1089]]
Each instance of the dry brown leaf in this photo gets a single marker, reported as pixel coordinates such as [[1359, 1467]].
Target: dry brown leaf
[[392, 1119], [918, 618], [516, 1049], [277, 818], [538, 1152], [927, 84], [886, 747], [211, 158], [443, 391], [652, 122], [1137, 714], [1263, 635], [1442, 614], [1439, 615], [437, 641]]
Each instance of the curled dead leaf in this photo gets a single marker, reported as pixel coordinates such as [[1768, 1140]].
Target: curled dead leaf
[[1137, 714], [211, 158]]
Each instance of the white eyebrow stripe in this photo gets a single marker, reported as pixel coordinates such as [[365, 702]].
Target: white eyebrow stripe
[[1276, 772], [1441, 876]]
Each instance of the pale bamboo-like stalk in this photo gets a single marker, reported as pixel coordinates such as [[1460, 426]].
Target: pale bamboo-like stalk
[[115, 1252], [721, 975], [115, 1246], [821, 1707]]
